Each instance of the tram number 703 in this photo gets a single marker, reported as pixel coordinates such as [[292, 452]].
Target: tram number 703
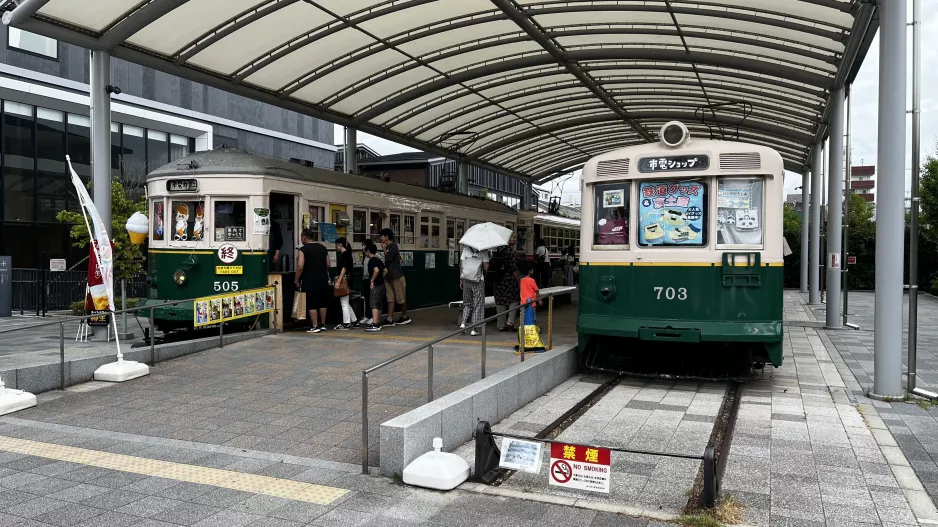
[[670, 293]]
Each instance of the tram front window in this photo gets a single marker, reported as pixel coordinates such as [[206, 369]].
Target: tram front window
[[739, 212], [611, 216], [230, 220], [672, 213]]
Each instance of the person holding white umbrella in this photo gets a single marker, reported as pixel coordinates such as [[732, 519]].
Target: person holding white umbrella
[[473, 263]]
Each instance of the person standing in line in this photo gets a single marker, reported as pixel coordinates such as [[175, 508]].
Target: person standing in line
[[569, 261], [349, 320], [374, 271], [395, 283], [504, 268], [529, 291], [472, 265], [312, 277], [541, 264]]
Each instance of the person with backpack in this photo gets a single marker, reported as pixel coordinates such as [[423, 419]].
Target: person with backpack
[[503, 268], [542, 269], [472, 267]]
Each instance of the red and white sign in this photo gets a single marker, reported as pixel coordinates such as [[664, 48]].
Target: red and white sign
[[227, 253], [851, 260], [580, 467], [833, 261]]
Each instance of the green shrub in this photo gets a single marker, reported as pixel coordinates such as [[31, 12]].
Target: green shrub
[[77, 308]]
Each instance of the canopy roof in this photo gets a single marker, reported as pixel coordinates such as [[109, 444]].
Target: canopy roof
[[528, 87]]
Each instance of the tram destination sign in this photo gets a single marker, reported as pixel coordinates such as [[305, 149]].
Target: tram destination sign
[[182, 185], [673, 163]]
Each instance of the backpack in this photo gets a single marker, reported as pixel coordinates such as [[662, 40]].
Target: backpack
[[471, 268], [498, 265]]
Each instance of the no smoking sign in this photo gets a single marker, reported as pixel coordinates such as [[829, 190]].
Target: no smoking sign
[[580, 467]]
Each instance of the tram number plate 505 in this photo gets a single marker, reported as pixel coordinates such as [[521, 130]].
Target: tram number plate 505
[[671, 293], [226, 286]]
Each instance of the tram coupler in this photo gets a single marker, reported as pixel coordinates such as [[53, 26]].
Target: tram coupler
[[487, 455]]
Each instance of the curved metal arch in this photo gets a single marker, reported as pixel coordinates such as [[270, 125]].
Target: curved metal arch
[[133, 22], [811, 91], [602, 142], [719, 11], [599, 29], [782, 102], [534, 147], [558, 112], [226, 28], [311, 37], [598, 54]]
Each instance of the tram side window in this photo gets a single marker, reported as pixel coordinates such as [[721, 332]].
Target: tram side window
[[739, 211], [672, 213], [188, 221], [375, 224], [410, 238], [611, 216], [317, 214], [230, 220], [429, 232]]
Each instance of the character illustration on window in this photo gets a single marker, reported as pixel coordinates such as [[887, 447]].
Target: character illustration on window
[[182, 226], [614, 228], [747, 220], [199, 223]]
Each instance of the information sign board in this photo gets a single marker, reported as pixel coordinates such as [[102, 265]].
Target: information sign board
[[521, 455], [580, 467], [672, 163], [851, 260], [57, 265]]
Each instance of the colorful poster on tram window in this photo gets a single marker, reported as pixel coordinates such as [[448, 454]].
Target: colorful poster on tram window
[[232, 306], [672, 213]]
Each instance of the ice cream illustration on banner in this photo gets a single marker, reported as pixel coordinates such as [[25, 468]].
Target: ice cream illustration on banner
[[199, 222], [182, 219], [137, 227]]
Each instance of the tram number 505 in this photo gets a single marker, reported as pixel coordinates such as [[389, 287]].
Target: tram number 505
[[671, 293], [226, 286]]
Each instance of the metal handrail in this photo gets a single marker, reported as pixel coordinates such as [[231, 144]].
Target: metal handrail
[[151, 308], [429, 346]]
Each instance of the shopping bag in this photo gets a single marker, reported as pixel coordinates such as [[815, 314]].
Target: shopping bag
[[530, 334], [299, 306]]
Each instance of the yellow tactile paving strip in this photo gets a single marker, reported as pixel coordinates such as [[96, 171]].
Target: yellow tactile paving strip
[[281, 488], [380, 336]]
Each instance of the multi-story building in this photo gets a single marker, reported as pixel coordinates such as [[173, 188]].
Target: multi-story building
[[862, 181], [157, 118]]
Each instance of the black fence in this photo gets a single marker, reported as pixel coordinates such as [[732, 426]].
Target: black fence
[[40, 290]]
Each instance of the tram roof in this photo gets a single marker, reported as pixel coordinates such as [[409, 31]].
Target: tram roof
[[223, 160], [532, 88]]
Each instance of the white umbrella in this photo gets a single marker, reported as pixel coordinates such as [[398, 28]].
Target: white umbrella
[[486, 236]]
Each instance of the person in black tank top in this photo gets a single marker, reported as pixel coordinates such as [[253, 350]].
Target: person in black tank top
[[312, 271]]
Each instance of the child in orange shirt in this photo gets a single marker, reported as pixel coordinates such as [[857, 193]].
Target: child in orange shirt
[[529, 292]]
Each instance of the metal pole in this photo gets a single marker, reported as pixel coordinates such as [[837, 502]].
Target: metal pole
[[152, 341], [890, 201], [100, 75], [916, 177], [62, 356], [351, 150], [430, 374], [483, 350], [124, 305], [848, 193], [805, 239], [550, 322], [835, 209], [221, 334], [364, 423], [276, 304], [521, 334], [814, 257], [42, 286]]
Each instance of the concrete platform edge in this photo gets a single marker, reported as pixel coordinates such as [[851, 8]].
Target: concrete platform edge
[[46, 377], [453, 417]]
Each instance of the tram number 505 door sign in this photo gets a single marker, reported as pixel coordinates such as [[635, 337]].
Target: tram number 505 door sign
[[580, 467]]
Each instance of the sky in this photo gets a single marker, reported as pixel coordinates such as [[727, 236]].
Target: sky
[[865, 94]]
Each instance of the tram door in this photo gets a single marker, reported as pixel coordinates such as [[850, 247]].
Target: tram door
[[283, 212]]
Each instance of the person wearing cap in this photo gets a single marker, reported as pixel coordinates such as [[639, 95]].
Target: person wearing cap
[[395, 283]]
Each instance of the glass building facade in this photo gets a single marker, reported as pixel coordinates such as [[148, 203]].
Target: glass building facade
[[35, 182]]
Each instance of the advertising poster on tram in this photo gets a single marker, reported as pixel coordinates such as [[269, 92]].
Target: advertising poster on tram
[[671, 213], [232, 306]]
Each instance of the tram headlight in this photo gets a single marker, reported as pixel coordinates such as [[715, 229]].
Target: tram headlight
[[179, 277], [674, 134]]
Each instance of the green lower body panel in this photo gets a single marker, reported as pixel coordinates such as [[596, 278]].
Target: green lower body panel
[[686, 304]]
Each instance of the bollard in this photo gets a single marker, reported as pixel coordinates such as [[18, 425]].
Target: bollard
[[276, 305], [430, 374], [364, 423], [62, 356], [521, 334], [483, 350], [221, 334], [152, 341], [709, 491], [550, 322]]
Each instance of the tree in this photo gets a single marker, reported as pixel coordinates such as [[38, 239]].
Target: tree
[[928, 180], [128, 258]]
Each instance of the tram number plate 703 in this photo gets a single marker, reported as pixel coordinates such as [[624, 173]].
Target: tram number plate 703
[[226, 286], [671, 293]]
